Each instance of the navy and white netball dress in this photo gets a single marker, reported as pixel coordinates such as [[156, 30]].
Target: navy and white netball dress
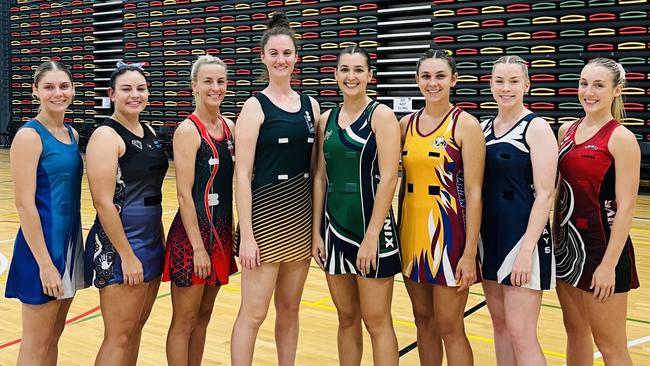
[[508, 197], [587, 210], [138, 197], [58, 197]]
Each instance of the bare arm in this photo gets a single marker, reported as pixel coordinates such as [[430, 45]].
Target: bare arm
[[319, 183], [102, 155], [627, 157], [247, 130], [472, 143], [387, 132], [555, 223], [403, 125]]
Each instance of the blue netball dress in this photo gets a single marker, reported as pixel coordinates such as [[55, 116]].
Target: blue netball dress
[[508, 196], [138, 198], [58, 196]]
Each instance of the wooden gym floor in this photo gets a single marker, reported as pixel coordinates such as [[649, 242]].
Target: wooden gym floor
[[317, 342]]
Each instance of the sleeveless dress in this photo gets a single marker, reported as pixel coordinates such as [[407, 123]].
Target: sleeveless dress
[[138, 198], [58, 201], [352, 177], [508, 197], [432, 222], [587, 199], [212, 195], [281, 186]]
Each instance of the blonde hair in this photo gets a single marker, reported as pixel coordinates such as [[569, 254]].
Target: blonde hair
[[618, 78], [46, 67], [512, 60], [205, 60]]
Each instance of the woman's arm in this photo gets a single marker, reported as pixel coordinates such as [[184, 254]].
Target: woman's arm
[[472, 143], [102, 155], [319, 183], [24, 155], [627, 161], [387, 133], [555, 222], [543, 157], [403, 125], [247, 130]]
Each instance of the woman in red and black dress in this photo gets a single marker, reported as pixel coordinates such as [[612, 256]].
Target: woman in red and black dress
[[198, 255], [599, 167]]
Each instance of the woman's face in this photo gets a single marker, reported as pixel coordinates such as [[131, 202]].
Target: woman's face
[[210, 85], [352, 74], [596, 89], [279, 56], [508, 85], [435, 80], [130, 95], [54, 91]]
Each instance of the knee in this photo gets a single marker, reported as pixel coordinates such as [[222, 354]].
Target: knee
[[576, 327], [287, 308], [349, 317], [120, 340], [185, 323], [252, 318], [377, 323], [449, 328], [423, 318], [610, 347], [204, 317]]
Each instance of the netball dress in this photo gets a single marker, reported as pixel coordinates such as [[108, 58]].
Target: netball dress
[[587, 200], [138, 197], [508, 197], [281, 186], [58, 200], [432, 222], [352, 178], [212, 195]]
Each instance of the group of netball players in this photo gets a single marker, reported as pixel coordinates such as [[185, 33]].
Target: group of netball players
[[474, 206]]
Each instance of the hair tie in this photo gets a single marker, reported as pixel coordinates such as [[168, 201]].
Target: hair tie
[[137, 65], [621, 71]]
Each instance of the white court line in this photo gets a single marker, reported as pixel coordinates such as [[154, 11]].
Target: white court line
[[6, 241], [632, 343], [4, 263]]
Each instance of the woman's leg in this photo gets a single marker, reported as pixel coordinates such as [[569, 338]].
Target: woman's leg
[[150, 298], [186, 302], [609, 331], [345, 296], [522, 311], [288, 292], [39, 345], [448, 308], [429, 341], [121, 307], [376, 296], [257, 287], [495, 303], [197, 340], [579, 348]]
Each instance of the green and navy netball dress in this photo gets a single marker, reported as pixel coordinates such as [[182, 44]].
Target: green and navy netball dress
[[57, 199], [212, 196], [138, 197], [352, 178], [281, 186], [508, 198]]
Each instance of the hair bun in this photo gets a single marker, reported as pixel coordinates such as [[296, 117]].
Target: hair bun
[[278, 19]]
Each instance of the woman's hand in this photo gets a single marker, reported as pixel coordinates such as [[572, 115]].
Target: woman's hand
[[132, 270], [603, 282], [367, 255], [318, 250], [465, 272], [51, 281], [249, 253], [202, 265], [522, 268]]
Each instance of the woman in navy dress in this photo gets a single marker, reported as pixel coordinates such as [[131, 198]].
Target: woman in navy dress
[[516, 249], [124, 250], [599, 168], [47, 264]]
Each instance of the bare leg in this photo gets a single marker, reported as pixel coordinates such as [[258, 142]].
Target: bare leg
[[429, 342], [449, 306], [185, 312], [609, 331], [376, 297], [197, 340], [345, 296], [152, 293], [579, 348], [288, 292], [522, 311], [502, 346], [42, 328]]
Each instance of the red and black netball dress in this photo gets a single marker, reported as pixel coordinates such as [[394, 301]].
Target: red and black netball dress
[[587, 210], [212, 194]]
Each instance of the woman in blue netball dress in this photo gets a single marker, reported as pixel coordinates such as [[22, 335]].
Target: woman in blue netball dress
[[124, 250], [273, 192], [516, 249], [198, 254], [47, 264]]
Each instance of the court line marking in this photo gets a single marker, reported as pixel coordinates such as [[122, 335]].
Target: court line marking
[[4, 263], [630, 344]]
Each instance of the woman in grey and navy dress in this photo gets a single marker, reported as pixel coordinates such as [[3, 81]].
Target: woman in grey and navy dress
[[124, 250], [516, 248]]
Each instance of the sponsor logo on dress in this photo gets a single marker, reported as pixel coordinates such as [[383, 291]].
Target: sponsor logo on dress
[[439, 143], [328, 133], [137, 144], [388, 233], [591, 147], [308, 121]]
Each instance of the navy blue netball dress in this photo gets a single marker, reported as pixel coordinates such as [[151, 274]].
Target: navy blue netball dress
[[508, 196], [58, 197], [138, 198]]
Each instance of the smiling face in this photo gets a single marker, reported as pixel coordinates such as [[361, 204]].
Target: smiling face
[[54, 90], [596, 89], [210, 85], [279, 56], [352, 74], [508, 84], [435, 79], [130, 94]]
